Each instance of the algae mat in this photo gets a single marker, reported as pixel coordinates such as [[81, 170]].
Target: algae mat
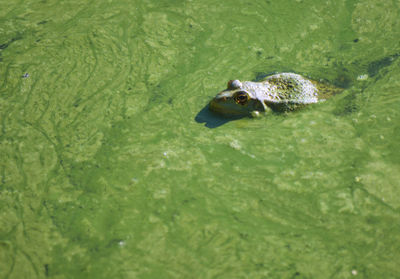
[[111, 166]]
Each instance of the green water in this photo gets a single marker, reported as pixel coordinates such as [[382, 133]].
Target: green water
[[111, 168]]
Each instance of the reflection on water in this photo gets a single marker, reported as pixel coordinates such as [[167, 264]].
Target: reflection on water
[[211, 119]]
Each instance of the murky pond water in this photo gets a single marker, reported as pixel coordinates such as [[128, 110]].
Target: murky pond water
[[111, 167]]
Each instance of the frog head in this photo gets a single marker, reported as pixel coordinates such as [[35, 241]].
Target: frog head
[[236, 100]]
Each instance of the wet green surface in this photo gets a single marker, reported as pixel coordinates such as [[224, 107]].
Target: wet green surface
[[108, 170]]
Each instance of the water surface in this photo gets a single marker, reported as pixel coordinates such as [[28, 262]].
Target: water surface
[[108, 172]]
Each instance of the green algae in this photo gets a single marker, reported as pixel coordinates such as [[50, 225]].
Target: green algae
[[106, 174]]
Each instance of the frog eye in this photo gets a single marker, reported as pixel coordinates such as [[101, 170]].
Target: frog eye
[[241, 97], [234, 84]]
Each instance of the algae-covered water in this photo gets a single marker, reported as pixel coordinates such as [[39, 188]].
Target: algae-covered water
[[112, 167]]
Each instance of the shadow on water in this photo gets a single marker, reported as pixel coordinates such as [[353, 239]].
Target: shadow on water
[[211, 119]]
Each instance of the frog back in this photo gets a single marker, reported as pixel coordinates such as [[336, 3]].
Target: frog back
[[289, 91]]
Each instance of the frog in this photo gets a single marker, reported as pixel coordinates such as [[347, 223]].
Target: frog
[[281, 92]]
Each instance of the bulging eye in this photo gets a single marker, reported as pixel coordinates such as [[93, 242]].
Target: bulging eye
[[241, 97], [234, 84]]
